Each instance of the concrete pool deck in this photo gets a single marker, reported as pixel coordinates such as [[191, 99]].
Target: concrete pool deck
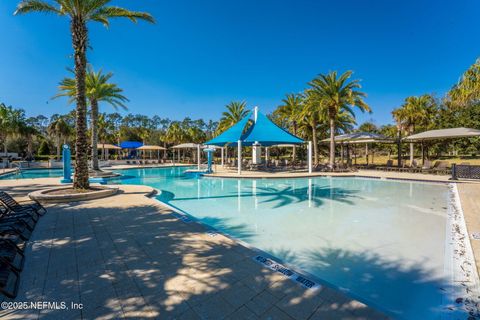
[[127, 256]]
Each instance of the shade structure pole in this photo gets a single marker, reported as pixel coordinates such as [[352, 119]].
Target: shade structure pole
[[411, 153], [239, 157], [309, 155], [198, 157], [266, 155], [173, 157], [366, 152], [222, 154], [423, 155]]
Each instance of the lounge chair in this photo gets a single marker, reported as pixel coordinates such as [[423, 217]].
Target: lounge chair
[[23, 206], [17, 227], [14, 237], [9, 280], [11, 254], [387, 167], [426, 167], [441, 167]]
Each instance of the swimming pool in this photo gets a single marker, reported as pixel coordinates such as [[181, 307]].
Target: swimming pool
[[33, 173], [384, 242]]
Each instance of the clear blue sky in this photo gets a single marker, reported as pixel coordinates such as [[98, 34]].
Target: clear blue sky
[[202, 54]]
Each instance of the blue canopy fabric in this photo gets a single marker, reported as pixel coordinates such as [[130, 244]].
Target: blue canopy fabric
[[232, 135], [263, 131], [268, 133], [130, 144]]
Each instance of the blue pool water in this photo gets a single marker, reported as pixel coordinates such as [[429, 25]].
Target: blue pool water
[[33, 173], [381, 241]]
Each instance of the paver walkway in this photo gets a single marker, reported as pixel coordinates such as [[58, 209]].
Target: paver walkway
[[127, 256]]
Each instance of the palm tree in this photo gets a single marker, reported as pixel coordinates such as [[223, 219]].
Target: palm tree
[[289, 112], [60, 130], [104, 131], [310, 117], [236, 111], [80, 13], [414, 112], [98, 89], [29, 132], [10, 122], [467, 90], [338, 94], [175, 133]]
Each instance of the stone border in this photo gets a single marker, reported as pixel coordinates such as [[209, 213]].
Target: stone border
[[44, 196]]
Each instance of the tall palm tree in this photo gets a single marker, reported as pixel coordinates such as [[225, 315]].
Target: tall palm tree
[[10, 122], [414, 112], [310, 117], [29, 132], [467, 90], [104, 131], [289, 112], [98, 89], [337, 94], [236, 111], [175, 133], [61, 131], [80, 12]]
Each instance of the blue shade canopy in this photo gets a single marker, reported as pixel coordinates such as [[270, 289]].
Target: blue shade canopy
[[232, 135], [130, 144], [263, 131], [267, 133]]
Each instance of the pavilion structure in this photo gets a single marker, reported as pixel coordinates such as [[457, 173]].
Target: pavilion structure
[[359, 138], [150, 149], [256, 130], [194, 146], [441, 134]]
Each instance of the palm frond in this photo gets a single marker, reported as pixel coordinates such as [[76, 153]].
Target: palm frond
[[105, 13], [28, 6]]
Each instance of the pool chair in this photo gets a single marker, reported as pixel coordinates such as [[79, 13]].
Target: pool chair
[[23, 206], [441, 167], [11, 254], [387, 167], [15, 228], [14, 218], [14, 237], [426, 167], [9, 280], [128, 162]]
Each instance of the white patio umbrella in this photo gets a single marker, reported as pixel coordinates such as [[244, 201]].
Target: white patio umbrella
[[151, 148]]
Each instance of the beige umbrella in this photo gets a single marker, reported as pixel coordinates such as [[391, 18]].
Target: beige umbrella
[[151, 148], [107, 146]]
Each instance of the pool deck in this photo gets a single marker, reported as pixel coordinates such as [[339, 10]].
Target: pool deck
[[229, 173], [127, 256]]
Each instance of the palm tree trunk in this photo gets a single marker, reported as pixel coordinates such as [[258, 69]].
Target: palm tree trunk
[[79, 42], [332, 141], [29, 148], [94, 124], [58, 147], [314, 141]]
